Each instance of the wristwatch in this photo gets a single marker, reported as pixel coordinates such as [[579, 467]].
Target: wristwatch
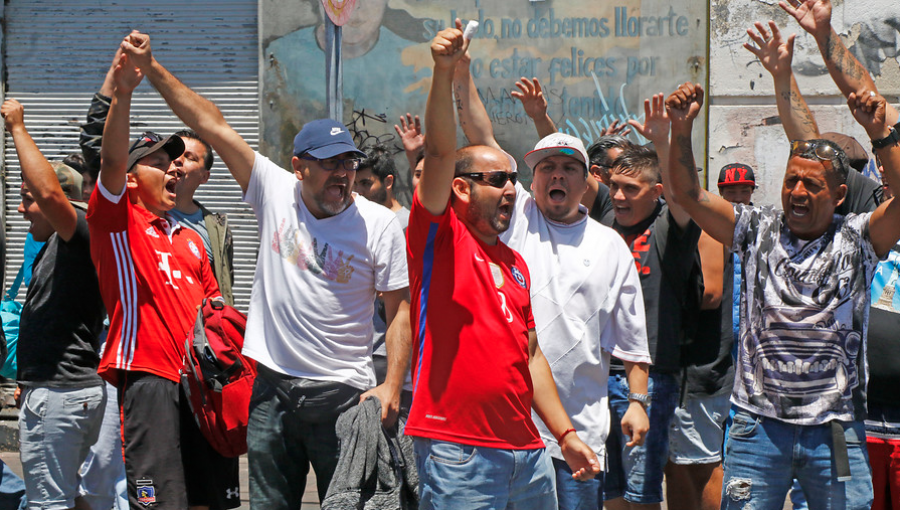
[[641, 398], [890, 139]]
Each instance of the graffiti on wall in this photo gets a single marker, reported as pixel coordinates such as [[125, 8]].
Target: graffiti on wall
[[596, 62]]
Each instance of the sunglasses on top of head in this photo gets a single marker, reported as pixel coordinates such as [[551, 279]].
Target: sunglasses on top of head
[[821, 150]]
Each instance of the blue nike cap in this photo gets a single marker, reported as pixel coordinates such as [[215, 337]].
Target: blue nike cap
[[323, 139]]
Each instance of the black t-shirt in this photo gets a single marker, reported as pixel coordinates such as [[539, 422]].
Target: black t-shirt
[[665, 256], [63, 315], [716, 327], [602, 210], [863, 194]]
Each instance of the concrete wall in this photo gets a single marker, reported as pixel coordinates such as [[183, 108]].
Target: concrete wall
[[597, 61], [743, 121]]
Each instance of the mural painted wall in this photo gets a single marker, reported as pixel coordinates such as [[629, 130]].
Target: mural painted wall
[[597, 62], [743, 121]]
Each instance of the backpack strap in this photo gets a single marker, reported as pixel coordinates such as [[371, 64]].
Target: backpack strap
[[13, 290]]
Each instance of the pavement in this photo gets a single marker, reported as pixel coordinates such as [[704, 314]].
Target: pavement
[[310, 497]]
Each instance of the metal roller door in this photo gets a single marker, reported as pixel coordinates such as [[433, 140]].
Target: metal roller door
[[57, 54]]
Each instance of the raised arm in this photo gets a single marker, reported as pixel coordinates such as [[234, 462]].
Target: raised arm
[[197, 112], [848, 74], [38, 175], [473, 118], [776, 54], [532, 96], [91, 136], [440, 126], [870, 110], [116, 131], [711, 212], [410, 132], [656, 129]]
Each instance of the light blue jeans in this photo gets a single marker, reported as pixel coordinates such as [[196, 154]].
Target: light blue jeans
[[763, 457], [453, 475], [56, 430], [576, 495], [103, 483]]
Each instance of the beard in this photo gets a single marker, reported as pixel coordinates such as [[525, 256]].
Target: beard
[[380, 197], [480, 212], [333, 207]]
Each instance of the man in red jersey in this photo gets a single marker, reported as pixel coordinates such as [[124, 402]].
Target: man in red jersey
[[478, 369], [153, 273]]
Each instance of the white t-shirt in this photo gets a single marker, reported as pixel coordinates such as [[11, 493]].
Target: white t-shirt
[[313, 292], [587, 303], [804, 313]]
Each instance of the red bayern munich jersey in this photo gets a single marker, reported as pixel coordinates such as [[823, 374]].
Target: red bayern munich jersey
[[471, 316], [152, 277]]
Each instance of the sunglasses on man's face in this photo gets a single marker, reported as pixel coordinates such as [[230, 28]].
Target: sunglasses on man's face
[[496, 179], [822, 151]]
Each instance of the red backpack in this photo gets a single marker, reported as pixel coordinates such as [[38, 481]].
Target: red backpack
[[217, 378]]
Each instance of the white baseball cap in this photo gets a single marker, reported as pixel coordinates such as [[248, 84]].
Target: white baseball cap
[[558, 144]]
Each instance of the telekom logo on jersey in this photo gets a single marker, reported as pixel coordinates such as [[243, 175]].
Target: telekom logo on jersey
[[165, 267]]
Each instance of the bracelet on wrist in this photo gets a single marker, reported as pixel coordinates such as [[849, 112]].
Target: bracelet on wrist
[[562, 436]]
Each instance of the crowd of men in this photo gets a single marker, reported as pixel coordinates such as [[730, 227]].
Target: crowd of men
[[568, 347]]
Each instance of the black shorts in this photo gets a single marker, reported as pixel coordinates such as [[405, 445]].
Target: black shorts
[[168, 462]]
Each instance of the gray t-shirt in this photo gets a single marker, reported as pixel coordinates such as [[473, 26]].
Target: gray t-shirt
[[63, 315], [804, 314], [196, 223]]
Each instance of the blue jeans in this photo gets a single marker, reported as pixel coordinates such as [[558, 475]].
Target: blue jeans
[[575, 495], [103, 483], [636, 472], [453, 475], [763, 457], [12, 489], [56, 430]]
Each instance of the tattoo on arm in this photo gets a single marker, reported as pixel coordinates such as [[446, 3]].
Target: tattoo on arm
[[686, 161], [842, 59]]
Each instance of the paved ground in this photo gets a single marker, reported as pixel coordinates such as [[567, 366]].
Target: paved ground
[[310, 498]]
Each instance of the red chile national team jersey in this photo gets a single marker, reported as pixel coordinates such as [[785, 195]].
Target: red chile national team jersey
[[471, 316], [152, 277]]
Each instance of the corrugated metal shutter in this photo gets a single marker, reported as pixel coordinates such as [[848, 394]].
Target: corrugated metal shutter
[[57, 54]]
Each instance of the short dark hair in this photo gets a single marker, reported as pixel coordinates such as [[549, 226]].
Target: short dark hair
[[379, 161], [638, 161], [76, 162], [597, 152], [190, 133]]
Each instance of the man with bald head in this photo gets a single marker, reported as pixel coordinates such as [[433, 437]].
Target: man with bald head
[[477, 366]]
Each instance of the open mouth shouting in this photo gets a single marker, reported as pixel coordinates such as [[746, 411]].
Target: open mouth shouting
[[799, 210], [557, 195]]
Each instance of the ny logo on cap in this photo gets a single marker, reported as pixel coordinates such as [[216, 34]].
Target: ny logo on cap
[[336, 131]]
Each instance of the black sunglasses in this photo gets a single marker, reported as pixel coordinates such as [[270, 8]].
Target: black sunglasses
[[332, 164], [147, 137], [822, 151], [496, 179]]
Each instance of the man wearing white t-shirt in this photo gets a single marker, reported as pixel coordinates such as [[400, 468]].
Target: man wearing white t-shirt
[[324, 253], [586, 298]]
